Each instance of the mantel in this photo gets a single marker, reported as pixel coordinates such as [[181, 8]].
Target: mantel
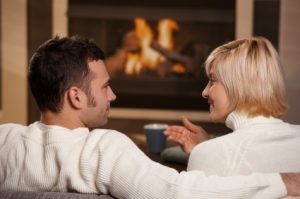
[[156, 114]]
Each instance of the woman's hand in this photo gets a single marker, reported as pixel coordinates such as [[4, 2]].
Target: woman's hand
[[292, 183], [187, 136]]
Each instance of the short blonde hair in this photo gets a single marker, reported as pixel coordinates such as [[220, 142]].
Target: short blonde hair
[[252, 75]]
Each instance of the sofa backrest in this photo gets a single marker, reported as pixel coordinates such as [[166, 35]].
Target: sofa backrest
[[49, 195]]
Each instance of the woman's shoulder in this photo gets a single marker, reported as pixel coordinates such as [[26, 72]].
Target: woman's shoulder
[[218, 146]]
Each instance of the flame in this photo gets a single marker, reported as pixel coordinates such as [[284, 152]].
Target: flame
[[148, 57], [165, 37], [133, 64], [179, 69]]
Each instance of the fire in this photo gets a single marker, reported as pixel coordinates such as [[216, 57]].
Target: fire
[[133, 64], [165, 37], [148, 57]]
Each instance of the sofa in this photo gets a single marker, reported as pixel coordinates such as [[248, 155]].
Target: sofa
[[49, 195]]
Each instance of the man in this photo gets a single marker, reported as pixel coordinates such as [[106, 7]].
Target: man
[[70, 84]]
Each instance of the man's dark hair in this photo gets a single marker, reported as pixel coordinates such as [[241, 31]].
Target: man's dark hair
[[57, 65]]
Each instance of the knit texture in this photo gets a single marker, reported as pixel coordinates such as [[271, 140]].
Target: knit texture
[[258, 144], [51, 158]]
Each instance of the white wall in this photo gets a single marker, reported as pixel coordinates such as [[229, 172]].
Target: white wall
[[244, 18], [14, 61], [59, 18], [289, 51]]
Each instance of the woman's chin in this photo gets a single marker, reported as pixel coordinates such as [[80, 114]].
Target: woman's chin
[[216, 119]]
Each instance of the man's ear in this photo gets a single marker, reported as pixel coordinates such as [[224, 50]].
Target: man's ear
[[76, 97]]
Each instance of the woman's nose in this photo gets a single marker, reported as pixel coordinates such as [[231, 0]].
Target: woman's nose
[[205, 92]]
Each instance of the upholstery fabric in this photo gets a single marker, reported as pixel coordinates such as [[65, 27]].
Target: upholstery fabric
[[49, 195]]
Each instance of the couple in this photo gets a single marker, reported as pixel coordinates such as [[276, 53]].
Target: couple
[[70, 84]]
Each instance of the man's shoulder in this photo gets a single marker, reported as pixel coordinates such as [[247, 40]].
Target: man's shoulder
[[111, 136], [10, 127], [108, 133], [10, 132]]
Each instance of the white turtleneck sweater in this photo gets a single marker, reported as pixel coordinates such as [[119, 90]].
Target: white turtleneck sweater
[[257, 144], [51, 158]]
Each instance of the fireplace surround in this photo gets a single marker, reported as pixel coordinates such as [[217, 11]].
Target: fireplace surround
[[173, 83]]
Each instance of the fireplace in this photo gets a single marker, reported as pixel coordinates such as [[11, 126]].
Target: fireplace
[[155, 51]]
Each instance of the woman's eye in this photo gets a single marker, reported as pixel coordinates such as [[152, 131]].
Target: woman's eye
[[212, 81]]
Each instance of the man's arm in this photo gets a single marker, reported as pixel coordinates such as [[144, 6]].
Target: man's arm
[[157, 181], [131, 174]]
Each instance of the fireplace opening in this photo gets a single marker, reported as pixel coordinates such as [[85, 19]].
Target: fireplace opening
[[155, 54]]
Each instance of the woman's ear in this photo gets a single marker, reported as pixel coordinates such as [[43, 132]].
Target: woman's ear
[[76, 97]]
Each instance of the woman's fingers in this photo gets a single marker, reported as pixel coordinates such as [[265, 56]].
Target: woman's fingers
[[189, 125], [178, 134]]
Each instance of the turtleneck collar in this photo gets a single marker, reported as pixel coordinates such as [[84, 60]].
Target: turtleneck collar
[[236, 120]]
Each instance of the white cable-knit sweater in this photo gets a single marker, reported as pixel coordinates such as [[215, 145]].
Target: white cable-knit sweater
[[258, 144], [51, 158]]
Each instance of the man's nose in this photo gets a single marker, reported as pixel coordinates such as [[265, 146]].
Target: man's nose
[[112, 96]]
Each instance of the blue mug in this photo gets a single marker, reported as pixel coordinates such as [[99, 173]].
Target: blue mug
[[156, 140]]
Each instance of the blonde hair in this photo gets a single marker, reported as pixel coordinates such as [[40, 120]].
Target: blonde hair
[[252, 75]]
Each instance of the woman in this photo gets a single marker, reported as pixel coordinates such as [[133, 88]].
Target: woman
[[246, 90]]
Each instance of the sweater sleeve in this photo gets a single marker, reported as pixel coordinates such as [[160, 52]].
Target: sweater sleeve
[[128, 173]]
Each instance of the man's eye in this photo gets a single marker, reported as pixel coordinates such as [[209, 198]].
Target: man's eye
[[106, 85]]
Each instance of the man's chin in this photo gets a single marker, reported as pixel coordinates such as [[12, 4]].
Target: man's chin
[[104, 121], [98, 124]]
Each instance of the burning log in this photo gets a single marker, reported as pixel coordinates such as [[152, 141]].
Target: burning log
[[175, 62], [170, 54]]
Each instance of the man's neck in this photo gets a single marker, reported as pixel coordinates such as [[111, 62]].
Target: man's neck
[[60, 119]]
